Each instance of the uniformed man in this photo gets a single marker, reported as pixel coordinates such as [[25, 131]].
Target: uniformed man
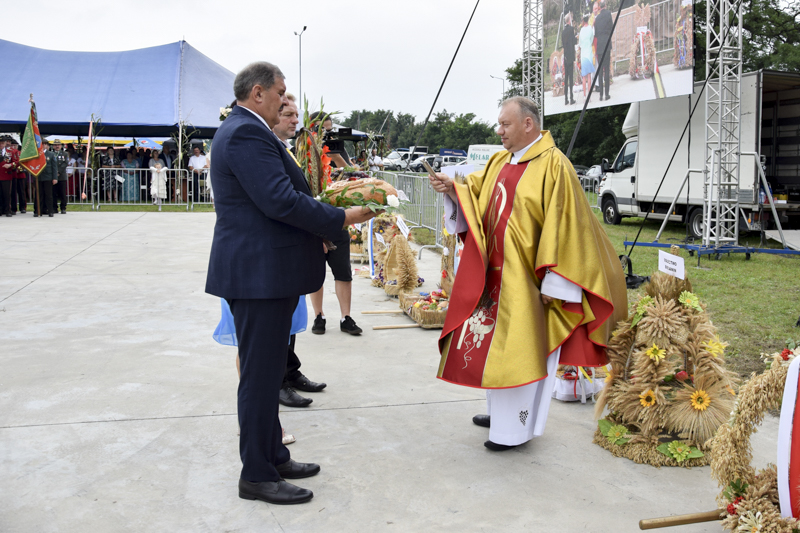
[[60, 187], [7, 174], [47, 178], [19, 188]]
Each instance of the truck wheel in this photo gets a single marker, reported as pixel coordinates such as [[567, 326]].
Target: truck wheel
[[696, 223], [610, 213]]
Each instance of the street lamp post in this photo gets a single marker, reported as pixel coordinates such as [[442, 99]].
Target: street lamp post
[[502, 96], [300, 47]]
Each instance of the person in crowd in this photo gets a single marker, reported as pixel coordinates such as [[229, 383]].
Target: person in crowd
[[603, 24], [568, 43], [375, 161], [48, 177], [19, 187], [527, 229], [158, 177], [71, 159], [285, 129], [198, 166], [339, 258], [8, 172], [140, 158], [261, 286], [81, 187], [108, 162], [60, 188], [361, 160], [130, 187], [586, 42]]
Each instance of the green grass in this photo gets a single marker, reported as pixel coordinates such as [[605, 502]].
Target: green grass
[[753, 303]]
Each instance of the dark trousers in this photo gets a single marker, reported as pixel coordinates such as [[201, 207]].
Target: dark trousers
[[5, 197], [19, 195], [60, 193], [45, 198], [262, 328], [569, 73], [292, 364], [604, 74]]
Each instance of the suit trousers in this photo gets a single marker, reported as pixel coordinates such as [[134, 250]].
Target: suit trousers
[[604, 74], [292, 364], [45, 197], [5, 197], [569, 80], [19, 195], [60, 193], [262, 328]]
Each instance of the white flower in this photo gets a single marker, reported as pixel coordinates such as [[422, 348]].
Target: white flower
[[393, 201], [750, 522]]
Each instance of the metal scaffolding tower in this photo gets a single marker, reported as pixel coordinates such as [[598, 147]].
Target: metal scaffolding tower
[[532, 53], [723, 110]]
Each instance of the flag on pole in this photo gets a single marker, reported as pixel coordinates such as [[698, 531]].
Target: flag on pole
[[32, 155]]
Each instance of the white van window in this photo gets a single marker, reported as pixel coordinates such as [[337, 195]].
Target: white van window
[[627, 157]]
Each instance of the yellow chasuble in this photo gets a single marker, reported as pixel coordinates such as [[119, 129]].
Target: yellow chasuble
[[524, 220]]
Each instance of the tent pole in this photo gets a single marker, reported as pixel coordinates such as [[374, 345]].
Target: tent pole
[[180, 161]]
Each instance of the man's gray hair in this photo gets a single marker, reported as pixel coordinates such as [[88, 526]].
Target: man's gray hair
[[290, 97], [258, 73], [527, 108]]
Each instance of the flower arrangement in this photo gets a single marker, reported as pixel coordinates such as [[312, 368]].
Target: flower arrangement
[[668, 382], [224, 112]]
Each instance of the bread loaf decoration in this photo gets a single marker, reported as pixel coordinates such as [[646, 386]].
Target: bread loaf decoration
[[361, 192]]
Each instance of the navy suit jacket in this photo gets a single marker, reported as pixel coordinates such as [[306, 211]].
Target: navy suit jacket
[[269, 230]]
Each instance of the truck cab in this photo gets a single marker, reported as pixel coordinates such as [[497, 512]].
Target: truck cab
[[617, 194]]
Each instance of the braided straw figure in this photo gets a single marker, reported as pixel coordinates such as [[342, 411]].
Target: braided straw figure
[[668, 389], [683, 56], [751, 497], [636, 68]]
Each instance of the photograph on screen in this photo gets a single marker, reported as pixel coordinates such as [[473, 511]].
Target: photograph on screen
[[649, 57]]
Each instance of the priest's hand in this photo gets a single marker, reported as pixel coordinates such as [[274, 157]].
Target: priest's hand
[[357, 215], [444, 184], [546, 299]]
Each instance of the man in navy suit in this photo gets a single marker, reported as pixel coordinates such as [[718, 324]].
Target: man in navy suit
[[267, 251]]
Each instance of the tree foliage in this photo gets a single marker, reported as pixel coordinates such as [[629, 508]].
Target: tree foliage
[[445, 130]]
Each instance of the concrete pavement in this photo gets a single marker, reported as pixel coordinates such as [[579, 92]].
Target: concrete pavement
[[118, 409]]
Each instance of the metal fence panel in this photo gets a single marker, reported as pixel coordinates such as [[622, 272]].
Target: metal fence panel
[[132, 186]]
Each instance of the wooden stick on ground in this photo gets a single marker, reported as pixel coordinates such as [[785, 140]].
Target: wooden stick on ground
[[397, 326], [394, 312], [682, 519]]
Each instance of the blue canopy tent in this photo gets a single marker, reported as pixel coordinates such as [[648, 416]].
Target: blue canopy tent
[[146, 92]]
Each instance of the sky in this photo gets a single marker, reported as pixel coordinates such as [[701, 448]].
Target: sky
[[356, 54]]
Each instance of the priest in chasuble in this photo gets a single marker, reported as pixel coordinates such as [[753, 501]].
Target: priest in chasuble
[[539, 284]]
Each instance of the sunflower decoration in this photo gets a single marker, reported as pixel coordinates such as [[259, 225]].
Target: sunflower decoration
[[715, 347], [700, 400], [656, 354], [668, 382], [647, 398]]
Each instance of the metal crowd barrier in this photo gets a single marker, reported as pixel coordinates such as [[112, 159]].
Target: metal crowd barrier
[[201, 188], [124, 186], [425, 207], [663, 17]]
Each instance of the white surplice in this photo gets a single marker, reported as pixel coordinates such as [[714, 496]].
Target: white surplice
[[519, 414]]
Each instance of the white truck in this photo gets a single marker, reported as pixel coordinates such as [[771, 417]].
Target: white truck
[[770, 126]]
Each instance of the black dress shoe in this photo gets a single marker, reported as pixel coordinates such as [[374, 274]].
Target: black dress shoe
[[50, 214], [280, 492], [481, 420], [306, 385], [497, 447], [572, 102], [290, 398], [291, 469]]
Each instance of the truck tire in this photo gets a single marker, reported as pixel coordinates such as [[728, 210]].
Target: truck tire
[[696, 223], [611, 214]]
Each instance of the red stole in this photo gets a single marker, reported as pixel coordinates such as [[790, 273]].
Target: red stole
[[472, 337]]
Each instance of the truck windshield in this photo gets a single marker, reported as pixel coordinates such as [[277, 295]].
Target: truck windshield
[[627, 157]]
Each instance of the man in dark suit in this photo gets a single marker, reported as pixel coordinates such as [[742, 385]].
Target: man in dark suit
[[603, 24], [267, 251], [568, 42]]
